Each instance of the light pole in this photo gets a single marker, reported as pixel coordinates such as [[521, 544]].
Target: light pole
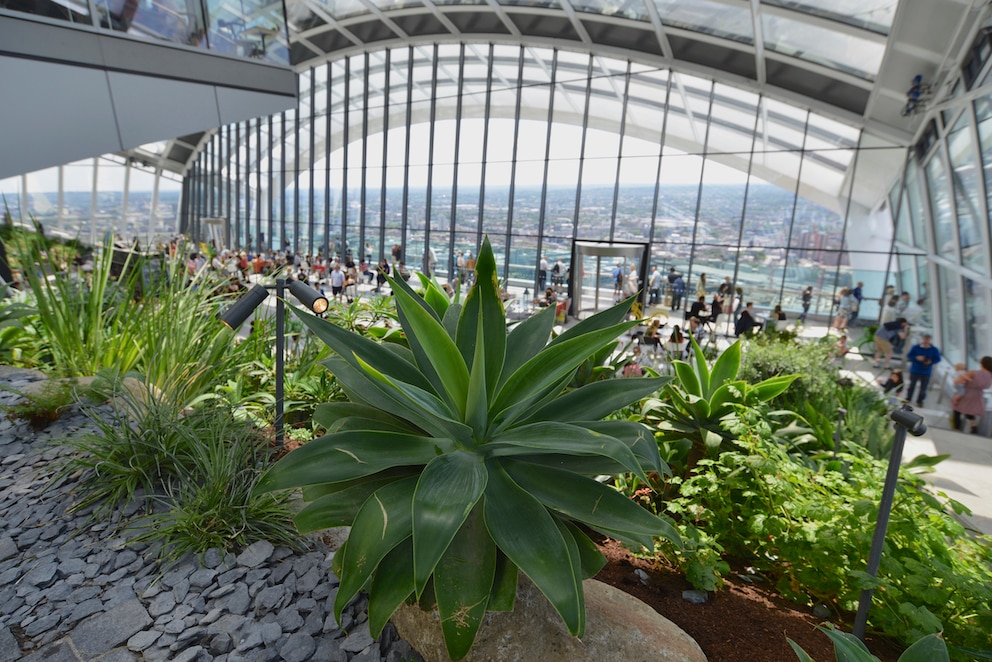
[[236, 315], [906, 421]]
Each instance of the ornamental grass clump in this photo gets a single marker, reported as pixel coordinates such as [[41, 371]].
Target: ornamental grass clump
[[463, 458]]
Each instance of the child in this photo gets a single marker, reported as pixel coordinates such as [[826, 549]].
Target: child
[[635, 366], [961, 377], [893, 384], [840, 347]]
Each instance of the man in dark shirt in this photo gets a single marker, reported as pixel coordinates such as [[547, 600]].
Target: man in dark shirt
[[922, 357], [698, 309], [746, 322]]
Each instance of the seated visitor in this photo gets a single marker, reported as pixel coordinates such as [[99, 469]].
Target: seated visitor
[[635, 365], [840, 347], [698, 309], [716, 308], [777, 319], [676, 343], [695, 328], [894, 384], [652, 336], [549, 298], [747, 323]]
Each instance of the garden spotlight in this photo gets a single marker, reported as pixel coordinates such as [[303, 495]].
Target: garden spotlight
[[236, 315]]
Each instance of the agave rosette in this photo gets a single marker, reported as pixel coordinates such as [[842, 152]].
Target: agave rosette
[[464, 459]]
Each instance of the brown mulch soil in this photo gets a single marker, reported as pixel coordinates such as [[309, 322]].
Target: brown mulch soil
[[741, 622]]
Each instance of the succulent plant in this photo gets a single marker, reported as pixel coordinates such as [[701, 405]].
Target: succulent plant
[[464, 458]]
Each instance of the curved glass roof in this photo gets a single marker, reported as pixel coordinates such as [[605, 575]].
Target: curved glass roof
[[703, 117], [849, 59]]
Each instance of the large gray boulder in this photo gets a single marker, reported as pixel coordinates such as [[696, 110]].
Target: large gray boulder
[[618, 627]]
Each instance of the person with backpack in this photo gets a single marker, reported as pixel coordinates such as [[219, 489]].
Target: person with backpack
[[885, 339]]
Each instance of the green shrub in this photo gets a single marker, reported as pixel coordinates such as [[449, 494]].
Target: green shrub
[[809, 530], [849, 648], [213, 505], [194, 471]]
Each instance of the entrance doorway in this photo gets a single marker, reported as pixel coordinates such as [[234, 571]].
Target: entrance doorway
[[592, 286]]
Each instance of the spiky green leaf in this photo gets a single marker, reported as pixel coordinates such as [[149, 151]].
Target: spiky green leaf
[[773, 386], [392, 584], [382, 523], [527, 339], [448, 489], [463, 582], [688, 378], [351, 346], [349, 455], [590, 502], [553, 363], [725, 369], [565, 439], [483, 306], [593, 401], [528, 535]]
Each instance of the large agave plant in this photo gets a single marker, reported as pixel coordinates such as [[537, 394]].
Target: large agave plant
[[464, 458]]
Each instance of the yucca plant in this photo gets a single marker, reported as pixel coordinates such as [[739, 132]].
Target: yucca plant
[[464, 458], [690, 413]]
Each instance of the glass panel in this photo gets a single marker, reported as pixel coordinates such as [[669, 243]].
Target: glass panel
[[875, 15], [626, 9], [141, 185], [395, 4], [951, 314], [721, 20], [110, 199], [677, 197], [166, 215], [74, 11], [978, 316], [945, 242], [43, 196], [248, 29], [914, 192], [845, 52], [899, 201], [967, 189], [636, 196], [983, 111]]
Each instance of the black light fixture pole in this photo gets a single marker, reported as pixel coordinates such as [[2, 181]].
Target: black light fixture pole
[[906, 421], [280, 357], [236, 315]]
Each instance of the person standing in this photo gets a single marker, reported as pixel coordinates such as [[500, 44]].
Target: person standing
[[807, 299], [738, 303], [971, 405], [726, 288], [701, 286], [844, 304], [678, 291], [654, 286], [617, 281], [558, 273], [922, 357], [337, 282], [632, 282], [542, 273], [856, 298]]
